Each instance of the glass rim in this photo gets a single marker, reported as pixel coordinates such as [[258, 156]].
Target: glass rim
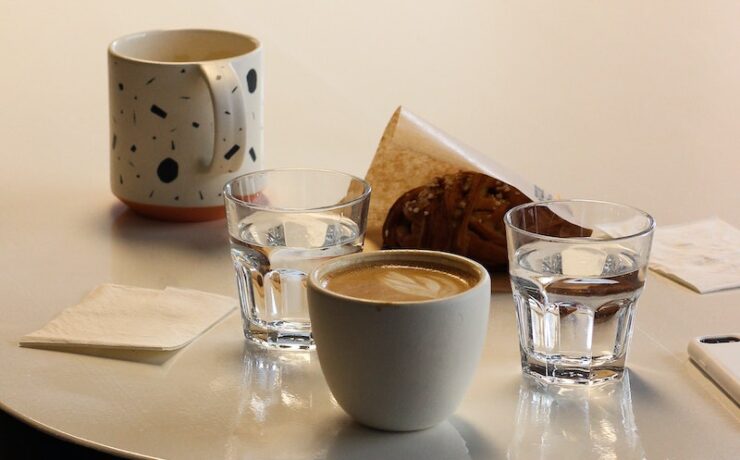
[[582, 239], [366, 189]]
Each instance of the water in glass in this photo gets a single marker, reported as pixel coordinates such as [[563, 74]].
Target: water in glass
[[273, 253], [575, 307]]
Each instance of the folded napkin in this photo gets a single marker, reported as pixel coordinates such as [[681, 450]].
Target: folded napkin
[[125, 317], [704, 255]]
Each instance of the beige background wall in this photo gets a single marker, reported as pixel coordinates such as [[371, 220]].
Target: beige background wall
[[588, 98]]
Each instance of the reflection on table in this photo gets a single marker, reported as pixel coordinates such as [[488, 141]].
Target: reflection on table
[[283, 391], [587, 422], [441, 442]]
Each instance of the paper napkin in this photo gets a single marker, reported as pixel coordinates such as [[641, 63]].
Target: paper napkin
[[704, 255], [125, 317]]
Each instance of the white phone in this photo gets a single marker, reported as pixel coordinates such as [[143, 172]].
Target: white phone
[[719, 357]]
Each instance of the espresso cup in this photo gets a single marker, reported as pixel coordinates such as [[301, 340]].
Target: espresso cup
[[398, 347], [185, 118]]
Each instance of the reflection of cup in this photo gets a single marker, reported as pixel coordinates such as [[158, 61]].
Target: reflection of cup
[[282, 223], [400, 365], [185, 117], [576, 283], [441, 442], [575, 422]]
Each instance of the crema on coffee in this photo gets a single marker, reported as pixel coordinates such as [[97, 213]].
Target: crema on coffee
[[398, 282]]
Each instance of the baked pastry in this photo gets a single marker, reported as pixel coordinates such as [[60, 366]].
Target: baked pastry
[[463, 213], [460, 213]]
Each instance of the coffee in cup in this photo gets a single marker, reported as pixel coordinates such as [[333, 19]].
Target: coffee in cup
[[393, 282]]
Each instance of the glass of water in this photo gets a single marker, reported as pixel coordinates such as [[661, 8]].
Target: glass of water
[[577, 269], [282, 223]]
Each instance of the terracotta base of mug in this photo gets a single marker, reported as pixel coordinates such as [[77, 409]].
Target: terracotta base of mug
[[176, 214]]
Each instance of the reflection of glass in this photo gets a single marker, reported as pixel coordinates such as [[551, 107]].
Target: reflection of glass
[[441, 442], [283, 397], [575, 422]]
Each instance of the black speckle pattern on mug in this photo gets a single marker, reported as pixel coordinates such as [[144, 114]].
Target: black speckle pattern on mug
[[232, 151], [167, 170], [156, 110], [252, 80]]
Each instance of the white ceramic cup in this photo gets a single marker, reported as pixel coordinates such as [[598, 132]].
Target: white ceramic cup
[[399, 366], [185, 118]]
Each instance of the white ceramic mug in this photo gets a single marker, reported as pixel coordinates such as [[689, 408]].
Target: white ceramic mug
[[399, 366], [185, 118]]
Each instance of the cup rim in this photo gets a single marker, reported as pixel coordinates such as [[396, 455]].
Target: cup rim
[[404, 254], [113, 52], [366, 190], [580, 239]]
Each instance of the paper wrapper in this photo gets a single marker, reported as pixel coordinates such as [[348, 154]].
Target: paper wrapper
[[412, 153]]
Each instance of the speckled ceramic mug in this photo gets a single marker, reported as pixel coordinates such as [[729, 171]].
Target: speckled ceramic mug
[[185, 118]]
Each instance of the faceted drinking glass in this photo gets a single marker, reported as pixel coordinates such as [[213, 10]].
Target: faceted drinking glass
[[577, 270], [282, 223]]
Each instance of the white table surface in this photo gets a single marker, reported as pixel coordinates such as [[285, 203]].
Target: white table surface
[[629, 102]]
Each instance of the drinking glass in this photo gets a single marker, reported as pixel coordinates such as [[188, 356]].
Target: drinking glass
[[282, 223], [577, 270]]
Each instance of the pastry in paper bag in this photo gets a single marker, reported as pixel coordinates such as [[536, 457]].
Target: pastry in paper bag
[[430, 191]]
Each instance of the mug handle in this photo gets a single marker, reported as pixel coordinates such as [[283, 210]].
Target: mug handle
[[229, 117]]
